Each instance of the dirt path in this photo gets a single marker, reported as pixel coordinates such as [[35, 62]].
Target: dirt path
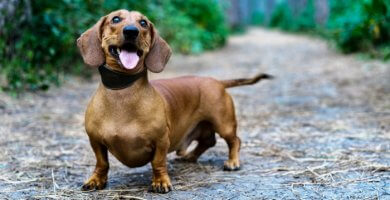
[[321, 130]]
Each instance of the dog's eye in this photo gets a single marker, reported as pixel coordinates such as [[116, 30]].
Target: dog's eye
[[143, 23], [116, 20]]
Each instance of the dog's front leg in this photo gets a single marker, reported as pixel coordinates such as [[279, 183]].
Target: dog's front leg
[[98, 179], [161, 182]]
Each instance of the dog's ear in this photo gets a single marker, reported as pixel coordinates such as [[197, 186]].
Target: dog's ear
[[90, 45], [159, 52]]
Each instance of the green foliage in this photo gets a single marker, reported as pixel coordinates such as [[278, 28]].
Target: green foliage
[[194, 25], [360, 26], [257, 18], [22, 50], [302, 20], [39, 48], [354, 25]]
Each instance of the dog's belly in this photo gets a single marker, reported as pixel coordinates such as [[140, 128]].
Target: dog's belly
[[130, 148]]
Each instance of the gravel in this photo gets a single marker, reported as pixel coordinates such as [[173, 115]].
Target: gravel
[[320, 130]]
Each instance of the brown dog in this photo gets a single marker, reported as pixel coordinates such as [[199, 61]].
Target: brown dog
[[140, 121]]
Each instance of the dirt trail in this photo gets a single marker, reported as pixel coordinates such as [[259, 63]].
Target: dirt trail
[[320, 130]]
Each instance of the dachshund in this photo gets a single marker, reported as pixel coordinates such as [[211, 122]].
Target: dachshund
[[140, 121]]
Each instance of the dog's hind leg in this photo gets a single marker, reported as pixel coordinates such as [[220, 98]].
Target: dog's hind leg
[[182, 151], [205, 135], [226, 126]]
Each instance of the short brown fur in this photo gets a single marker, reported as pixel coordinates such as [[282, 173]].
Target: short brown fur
[[144, 122]]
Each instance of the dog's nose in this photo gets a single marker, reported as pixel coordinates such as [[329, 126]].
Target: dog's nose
[[130, 32]]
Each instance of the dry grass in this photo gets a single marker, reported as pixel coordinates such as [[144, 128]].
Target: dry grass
[[319, 131]]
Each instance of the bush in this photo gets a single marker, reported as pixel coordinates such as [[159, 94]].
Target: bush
[[193, 25], [302, 20], [355, 26], [38, 48], [360, 25]]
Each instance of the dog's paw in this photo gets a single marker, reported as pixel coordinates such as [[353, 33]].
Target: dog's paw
[[161, 185], [231, 165], [94, 183]]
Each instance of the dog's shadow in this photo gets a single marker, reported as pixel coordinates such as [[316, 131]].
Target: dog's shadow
[[181, 172]]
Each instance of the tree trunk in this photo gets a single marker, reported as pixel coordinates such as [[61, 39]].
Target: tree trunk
[[14, 13], [321, 11]]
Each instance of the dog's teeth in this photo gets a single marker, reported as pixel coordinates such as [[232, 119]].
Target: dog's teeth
[[118, 50]]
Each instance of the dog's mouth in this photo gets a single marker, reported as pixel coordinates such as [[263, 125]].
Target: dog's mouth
[[127, 55]]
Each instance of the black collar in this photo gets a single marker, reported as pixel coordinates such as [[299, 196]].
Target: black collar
[[116, 80]]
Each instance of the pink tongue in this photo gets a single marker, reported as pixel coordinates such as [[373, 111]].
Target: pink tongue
[[129, 59]]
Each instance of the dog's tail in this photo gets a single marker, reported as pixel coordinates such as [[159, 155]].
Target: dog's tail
[[245, 81]]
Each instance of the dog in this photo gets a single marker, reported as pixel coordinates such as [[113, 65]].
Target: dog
[[141, 121]]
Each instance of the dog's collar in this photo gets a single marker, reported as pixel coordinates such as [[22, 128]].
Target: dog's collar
[[116, 80]]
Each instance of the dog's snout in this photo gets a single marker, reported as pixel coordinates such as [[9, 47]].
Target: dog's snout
[[130, 32]]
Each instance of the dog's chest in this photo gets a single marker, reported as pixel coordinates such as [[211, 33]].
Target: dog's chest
[[130, 138], [128, 143], [128, 130]]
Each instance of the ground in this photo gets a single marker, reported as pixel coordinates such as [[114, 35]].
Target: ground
[[319, 130]]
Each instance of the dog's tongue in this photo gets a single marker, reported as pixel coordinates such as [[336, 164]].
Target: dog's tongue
[[128, 59]]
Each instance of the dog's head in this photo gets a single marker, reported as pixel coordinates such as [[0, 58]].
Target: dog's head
[[126, 41]]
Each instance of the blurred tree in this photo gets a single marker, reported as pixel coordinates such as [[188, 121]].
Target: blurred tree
[[321, 11], [243, 12], [362, 25], [237, 14]]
